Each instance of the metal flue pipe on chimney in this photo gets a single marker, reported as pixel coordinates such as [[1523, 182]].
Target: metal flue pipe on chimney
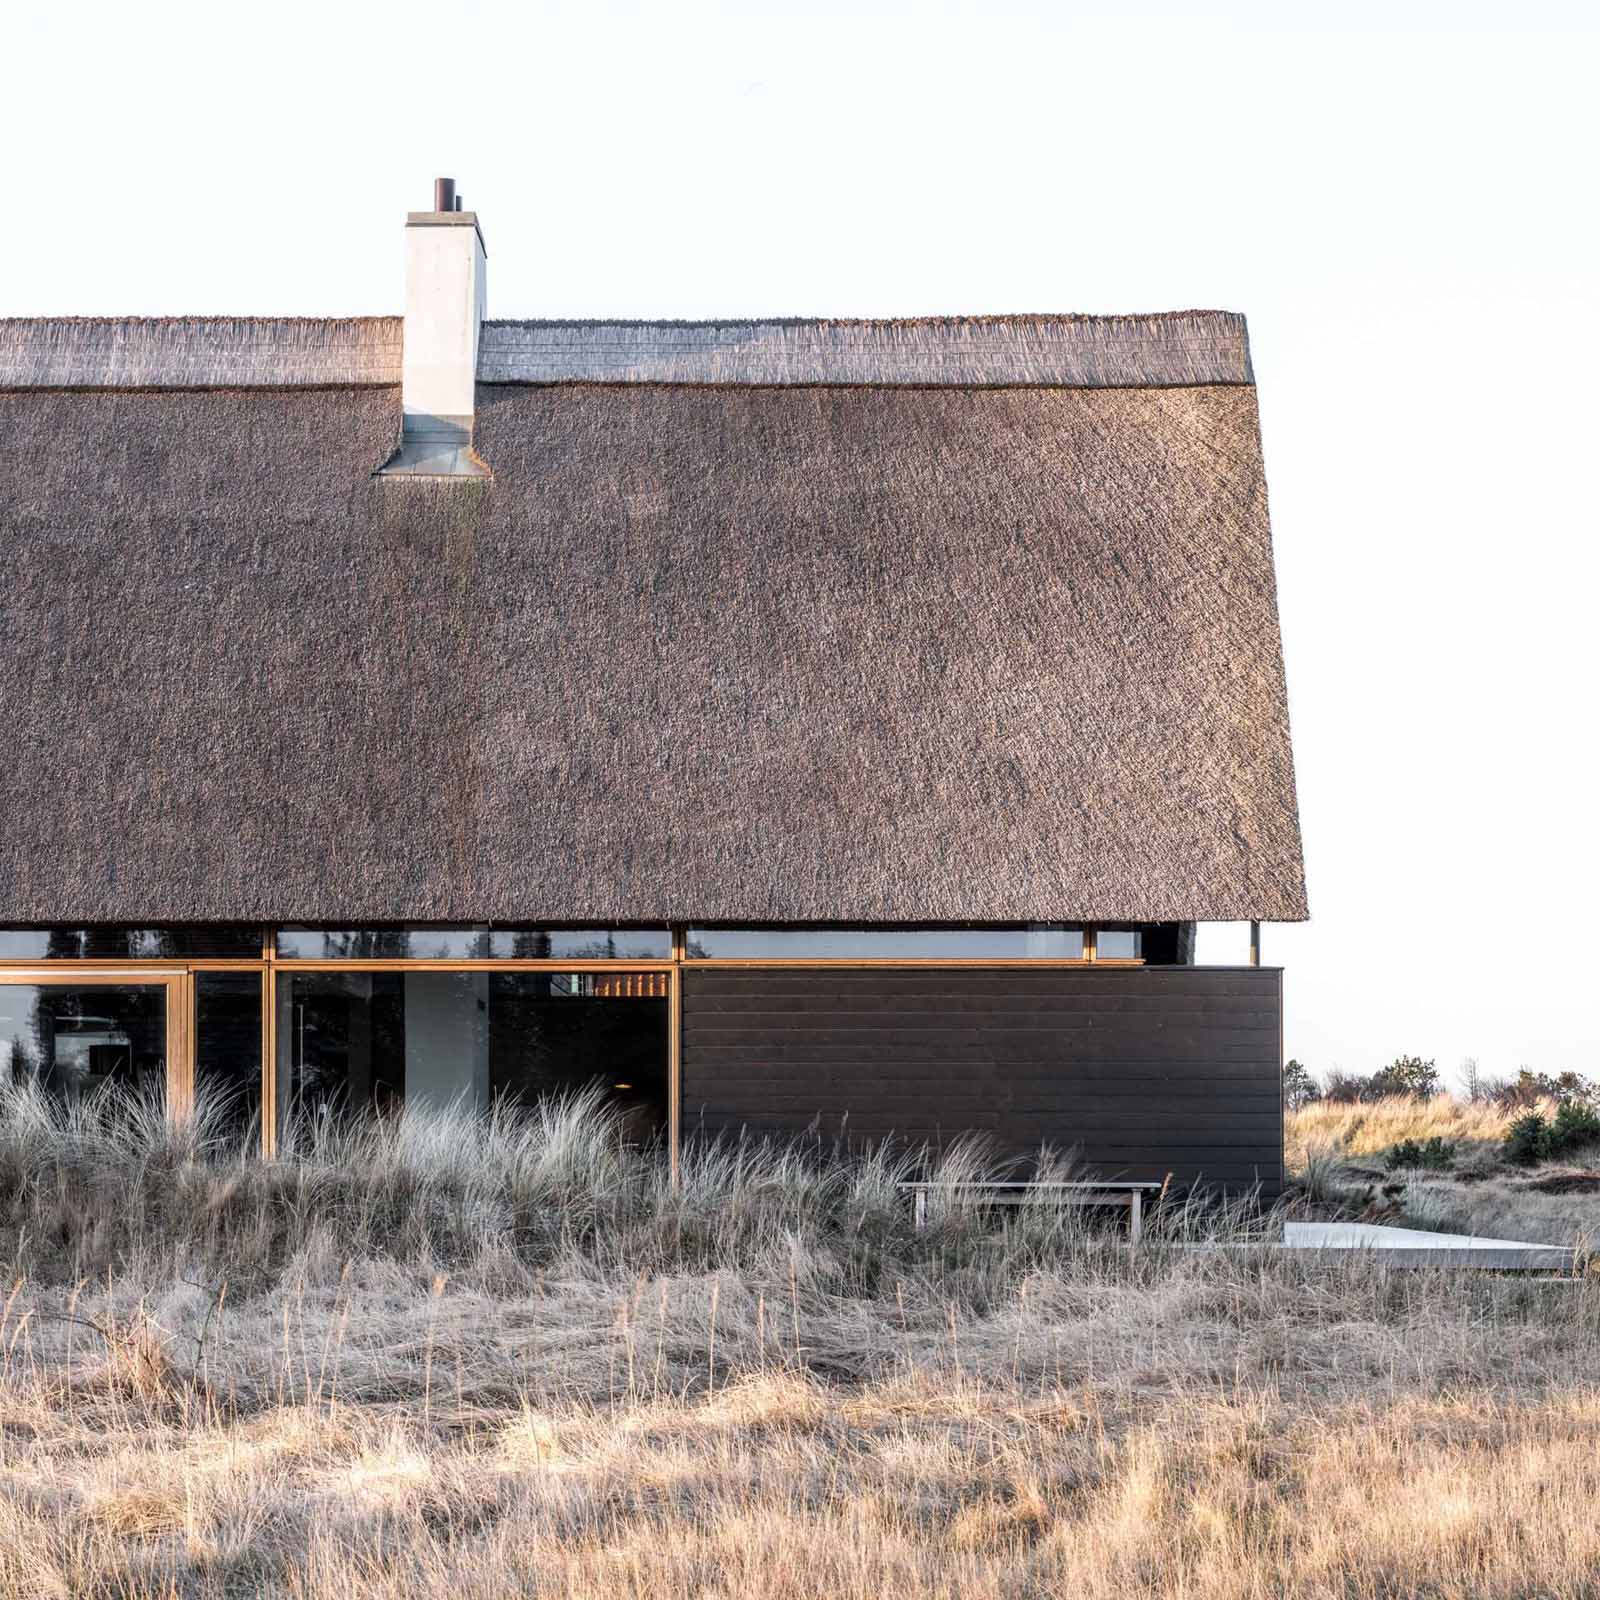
[[446, 301]]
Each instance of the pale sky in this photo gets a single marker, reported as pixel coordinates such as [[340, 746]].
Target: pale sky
[[1401, 198]]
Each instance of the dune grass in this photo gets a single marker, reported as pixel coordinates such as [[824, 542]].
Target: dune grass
[[435, 1356], [1369, 1128]]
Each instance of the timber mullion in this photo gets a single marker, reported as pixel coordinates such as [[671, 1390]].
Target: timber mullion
[[674, 1071], [675, 1053], [269, 1063], [180, 1046], [269, 1042]]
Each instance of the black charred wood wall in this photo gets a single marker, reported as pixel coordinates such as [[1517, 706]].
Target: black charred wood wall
[[1146, 1070]]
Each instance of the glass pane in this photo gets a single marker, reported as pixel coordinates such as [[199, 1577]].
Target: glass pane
[[227, 1046], [1040, 942], [72, 1040], [1118, 944], [582, 944], [353, 1042], [370, 944], [473, 944], [142, 944]]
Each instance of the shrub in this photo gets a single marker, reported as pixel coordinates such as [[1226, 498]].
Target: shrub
[[1529, 1089], [1527, 1140], [1408, 1076], [1299, 1087], [1574, 1086], [1435, 1154], [1575, 1124], [1345, 1088], [1405, 1075], [1533, 1138]]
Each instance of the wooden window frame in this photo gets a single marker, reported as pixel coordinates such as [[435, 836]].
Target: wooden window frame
[[177, 981]]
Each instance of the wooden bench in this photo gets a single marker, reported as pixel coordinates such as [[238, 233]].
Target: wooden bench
[[1131, 1196]]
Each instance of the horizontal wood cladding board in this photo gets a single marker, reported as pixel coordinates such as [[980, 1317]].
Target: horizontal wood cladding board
[[883, 1007], [1144, 1071], [914, 1109], [1128, 1067], [1111, 982], [757, 1077], [953, 1046]]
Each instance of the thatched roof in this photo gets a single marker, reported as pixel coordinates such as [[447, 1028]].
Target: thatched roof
[[716, 652]]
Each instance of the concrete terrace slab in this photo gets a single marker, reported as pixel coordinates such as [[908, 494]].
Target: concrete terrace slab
[[1413, 1247]]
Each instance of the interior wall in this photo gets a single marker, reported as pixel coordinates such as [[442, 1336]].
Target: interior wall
[[447, 1039]]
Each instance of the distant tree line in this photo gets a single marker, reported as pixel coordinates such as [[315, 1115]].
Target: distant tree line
[[1416, 1079]]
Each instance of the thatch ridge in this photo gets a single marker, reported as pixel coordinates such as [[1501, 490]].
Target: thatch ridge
[[1170, 349], [1166, 349], [736, 654], [198, 352], [1195, 319]]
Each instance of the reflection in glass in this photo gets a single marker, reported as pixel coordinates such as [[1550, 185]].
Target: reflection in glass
[[227, 1046], [1041, 941], [1118, 944], [354, 1042], [475, 944], [73, 1040], [582, 944], [107, 942], [377, 944]]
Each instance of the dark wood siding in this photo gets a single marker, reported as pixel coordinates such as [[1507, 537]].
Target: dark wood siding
[[1145, 1070]]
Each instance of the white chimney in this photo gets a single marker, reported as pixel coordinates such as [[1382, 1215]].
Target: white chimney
[[445, 303]]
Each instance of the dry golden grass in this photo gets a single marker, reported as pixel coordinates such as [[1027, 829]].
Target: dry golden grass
[[1371, 1128], [924, 1484], [411, 1377]]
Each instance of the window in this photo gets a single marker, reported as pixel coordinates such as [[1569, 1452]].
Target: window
[[475, 944], [72, 1040], [354, 1042], [111, 943], [582, 944], [1119, 944], [227, 1045], [1041, 941]]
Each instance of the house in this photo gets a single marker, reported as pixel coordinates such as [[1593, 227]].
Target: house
[[779, 723]]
